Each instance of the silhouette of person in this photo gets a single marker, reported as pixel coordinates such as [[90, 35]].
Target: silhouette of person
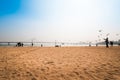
[[107, 42], [18, 44], [111, 43], [32, 44], [41, 45]]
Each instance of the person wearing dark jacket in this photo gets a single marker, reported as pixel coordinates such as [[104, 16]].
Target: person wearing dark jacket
[[107, 42]]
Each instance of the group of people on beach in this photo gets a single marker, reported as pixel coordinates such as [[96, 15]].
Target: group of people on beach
[[19, 44]]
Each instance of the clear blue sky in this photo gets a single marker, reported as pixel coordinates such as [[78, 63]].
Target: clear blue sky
[[61, 20]]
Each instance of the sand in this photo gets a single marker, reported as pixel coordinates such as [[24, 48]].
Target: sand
[[60, 63]]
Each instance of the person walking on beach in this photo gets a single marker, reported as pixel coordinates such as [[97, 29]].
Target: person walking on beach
[[107, 42]]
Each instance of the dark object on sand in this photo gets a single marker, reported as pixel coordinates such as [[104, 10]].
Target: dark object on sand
[[57, 45], [118, 44], [41, 45], [96, 44], [111, 43], [32, 43], [19, 44]]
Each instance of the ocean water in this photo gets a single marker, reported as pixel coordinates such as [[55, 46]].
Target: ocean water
[[49, 44]]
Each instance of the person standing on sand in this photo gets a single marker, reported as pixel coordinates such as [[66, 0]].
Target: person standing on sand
[[32, 43], [107, 42], [41, 45]]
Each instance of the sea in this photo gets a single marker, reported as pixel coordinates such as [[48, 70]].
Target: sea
[[51, 44]]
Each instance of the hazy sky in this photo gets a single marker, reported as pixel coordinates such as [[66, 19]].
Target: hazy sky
[[61, 20]]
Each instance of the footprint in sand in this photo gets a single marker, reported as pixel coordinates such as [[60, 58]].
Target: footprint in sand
[[33, 78], [31, 75]]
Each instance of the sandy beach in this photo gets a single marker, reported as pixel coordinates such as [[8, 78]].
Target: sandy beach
[[59, 63]]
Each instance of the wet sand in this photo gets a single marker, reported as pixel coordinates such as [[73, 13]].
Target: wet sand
[[60, 63]]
